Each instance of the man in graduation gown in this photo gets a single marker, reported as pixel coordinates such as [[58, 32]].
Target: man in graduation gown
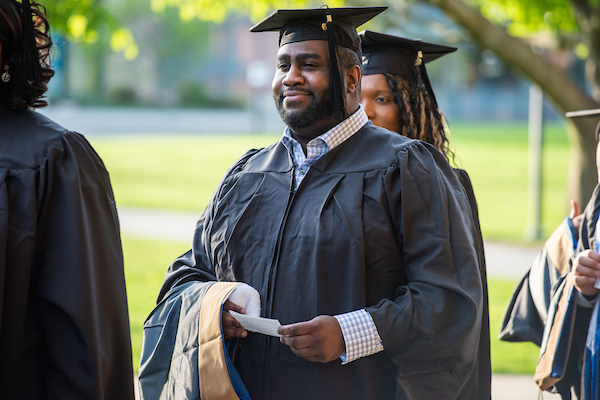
[[358, 240]]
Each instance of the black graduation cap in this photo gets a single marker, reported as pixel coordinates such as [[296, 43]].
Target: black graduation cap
[[586, 113], [312, 24], [387, 54], [334, 25]]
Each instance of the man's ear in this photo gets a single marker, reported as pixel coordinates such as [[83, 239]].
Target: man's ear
[[353, 76]]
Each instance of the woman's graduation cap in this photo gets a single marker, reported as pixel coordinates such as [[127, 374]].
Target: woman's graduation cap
[[587, 113], [387, 54], [337, 26]]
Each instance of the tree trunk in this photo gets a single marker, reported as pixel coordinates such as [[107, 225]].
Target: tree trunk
[[556, 84], [588, 19]]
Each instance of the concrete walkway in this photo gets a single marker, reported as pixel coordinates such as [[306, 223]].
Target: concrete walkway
[[503, 260]]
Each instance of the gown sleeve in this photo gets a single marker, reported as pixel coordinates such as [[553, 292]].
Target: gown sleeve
[[430, 331], [80, 280]]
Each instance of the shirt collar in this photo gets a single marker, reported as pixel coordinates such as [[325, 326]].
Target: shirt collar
[[338, 134]]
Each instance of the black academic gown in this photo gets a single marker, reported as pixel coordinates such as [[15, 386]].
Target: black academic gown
[[64, 328], [381, 222], [479, 386]]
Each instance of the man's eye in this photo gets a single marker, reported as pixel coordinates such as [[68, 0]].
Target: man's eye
[[283, 66]]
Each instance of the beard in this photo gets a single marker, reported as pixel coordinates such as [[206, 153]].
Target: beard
[[319, 108]]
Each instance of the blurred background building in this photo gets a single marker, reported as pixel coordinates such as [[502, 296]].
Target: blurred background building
[[207, 65]]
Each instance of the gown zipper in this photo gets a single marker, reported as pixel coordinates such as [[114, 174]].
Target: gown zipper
[[274, 262]]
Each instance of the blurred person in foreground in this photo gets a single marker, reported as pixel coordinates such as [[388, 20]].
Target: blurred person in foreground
[[64, 328], [396, 95], [553, 304], [358, 240]]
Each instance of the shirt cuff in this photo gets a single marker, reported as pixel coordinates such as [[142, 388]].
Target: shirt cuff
[[582, 301], [360, 335]]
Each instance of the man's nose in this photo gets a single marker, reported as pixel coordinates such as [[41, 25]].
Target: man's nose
[[293, 77]]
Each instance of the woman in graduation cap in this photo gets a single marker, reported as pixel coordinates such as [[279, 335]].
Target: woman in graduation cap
[[64, 328], [395, 88], [397, 95]]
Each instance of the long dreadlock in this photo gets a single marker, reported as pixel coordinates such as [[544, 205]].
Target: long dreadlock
[[419, 117]]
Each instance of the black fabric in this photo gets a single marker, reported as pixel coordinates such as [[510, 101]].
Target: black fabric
[[387, 54], [572, 378], [160, 378], [527, 312], [309, 24], [28, 52], [381, 222], [64, 327], [479, 386]]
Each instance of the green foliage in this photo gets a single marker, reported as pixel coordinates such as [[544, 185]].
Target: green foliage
[[216, 11], [86, 20], [526, 17]]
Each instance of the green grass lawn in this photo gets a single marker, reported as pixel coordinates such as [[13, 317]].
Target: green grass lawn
[[179, 172], [175, 172]]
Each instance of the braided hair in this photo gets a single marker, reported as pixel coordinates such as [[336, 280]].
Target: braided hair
[[419, 116]]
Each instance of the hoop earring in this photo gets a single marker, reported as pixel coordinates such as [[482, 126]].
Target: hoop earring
[[5, 75]]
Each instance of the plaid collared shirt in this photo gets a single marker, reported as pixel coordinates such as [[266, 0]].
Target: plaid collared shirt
[[360, 335], [358, 328], [321, 144]]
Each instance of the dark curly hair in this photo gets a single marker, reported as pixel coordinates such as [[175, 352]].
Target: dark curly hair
[[26, 53], [419, 116]]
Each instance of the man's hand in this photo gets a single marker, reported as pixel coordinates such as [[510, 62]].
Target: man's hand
[[231, 327], [574, 215], [317, 340], [586, 269]]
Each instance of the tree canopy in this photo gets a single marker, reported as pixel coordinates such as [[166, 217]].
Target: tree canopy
[[84, 20], [216, 11]]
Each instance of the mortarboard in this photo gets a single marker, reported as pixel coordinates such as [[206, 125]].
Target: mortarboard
[[334, 25], [387, 54], [311, 24], [587, 113]]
